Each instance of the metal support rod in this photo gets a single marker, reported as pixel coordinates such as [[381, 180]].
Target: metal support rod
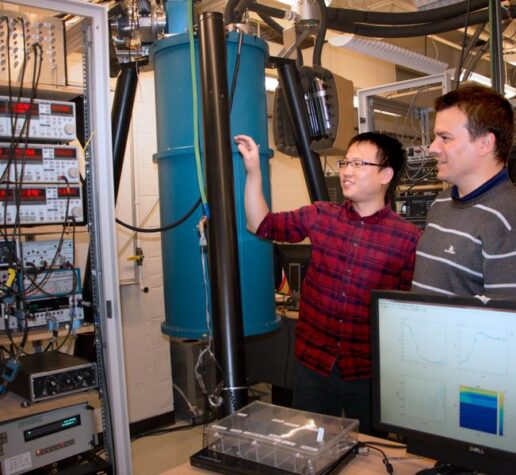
[[292, 89], [228, 332], [121, 113], [495, 46]]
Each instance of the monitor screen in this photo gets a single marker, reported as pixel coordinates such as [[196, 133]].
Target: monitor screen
[[294, 260], [444, 375]]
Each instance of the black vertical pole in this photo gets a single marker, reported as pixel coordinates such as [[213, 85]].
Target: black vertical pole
[[292, 89], [228, 333], [495, 45]]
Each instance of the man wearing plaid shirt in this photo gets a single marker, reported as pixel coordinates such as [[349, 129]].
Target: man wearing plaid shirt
[[357, 246]]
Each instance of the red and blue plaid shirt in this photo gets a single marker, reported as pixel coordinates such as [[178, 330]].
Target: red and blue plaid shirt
[[350, 256]]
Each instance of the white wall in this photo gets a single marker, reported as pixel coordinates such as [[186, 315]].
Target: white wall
[[147, 359]]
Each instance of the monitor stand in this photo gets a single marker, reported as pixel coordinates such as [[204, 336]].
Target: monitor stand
[[294, 301], [441, 468]]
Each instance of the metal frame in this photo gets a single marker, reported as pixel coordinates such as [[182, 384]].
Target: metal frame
[[102, 224], [364, 119]]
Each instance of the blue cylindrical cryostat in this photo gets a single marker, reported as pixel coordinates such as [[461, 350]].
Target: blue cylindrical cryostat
[[185, 302]]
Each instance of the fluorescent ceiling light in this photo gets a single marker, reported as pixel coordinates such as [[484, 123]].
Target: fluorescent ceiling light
[[293, 3], [509, 91], [391, 114]]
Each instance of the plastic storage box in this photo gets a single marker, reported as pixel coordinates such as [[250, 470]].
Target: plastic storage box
[[288, 439]]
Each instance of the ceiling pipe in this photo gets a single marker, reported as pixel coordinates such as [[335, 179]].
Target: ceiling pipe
[[394, 31], [495, 46], [344, 15]]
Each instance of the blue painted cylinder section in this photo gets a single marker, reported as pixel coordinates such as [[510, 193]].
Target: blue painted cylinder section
[[185, 302], [176, 13]]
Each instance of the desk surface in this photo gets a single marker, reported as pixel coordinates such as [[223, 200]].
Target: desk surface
[[361, 465], [41, 333], [14, 406]]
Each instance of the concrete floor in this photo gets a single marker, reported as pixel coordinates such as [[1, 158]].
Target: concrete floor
[[156, 454]]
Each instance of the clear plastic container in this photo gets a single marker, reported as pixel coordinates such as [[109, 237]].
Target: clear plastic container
[[297, 441]]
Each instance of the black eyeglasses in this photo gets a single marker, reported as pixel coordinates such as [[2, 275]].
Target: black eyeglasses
[[356, 164]]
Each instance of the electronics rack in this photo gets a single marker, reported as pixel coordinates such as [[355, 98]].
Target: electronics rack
[[98, 192], [404, 109]]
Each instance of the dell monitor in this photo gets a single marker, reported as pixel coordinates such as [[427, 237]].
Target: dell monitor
[[444, 376]]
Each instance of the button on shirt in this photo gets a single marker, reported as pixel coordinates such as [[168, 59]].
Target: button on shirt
[[350, 256]]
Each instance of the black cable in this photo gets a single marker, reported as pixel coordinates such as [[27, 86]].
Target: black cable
[[25, 129], [25, 56], [345, 15], [240, 8], [19, 348], [480, 52], [236, 69], [228, 11], [12, 122], [73, 293], [267, 11], [386, 445], [473, 58], [273, 24], [3, 352], [162, 228], [38, 285], [466, 56], [279, 29], [162, 431], [388, 466], [319, 41], [416, 30], [18, 181], [458, 70]]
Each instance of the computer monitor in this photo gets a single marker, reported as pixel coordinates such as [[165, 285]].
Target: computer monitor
[[334, 188], [294, 260], [444, 376]]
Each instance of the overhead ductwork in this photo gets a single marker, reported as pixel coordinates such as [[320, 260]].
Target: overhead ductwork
[[390, 53]]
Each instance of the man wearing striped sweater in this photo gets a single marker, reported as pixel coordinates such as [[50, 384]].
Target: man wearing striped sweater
[[469, 243]]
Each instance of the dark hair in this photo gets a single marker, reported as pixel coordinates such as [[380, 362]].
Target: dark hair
[[390, 154], [486, 111]]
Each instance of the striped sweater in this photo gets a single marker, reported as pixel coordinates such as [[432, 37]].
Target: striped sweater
[[469, 248]]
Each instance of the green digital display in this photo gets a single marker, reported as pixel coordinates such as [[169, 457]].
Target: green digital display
[[51, 428]]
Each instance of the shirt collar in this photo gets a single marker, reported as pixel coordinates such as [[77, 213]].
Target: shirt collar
[[372, 219], [502, 175]]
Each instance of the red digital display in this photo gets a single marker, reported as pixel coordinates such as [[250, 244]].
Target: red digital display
[[61, 109], [32, 194], [65, 153], [31, 154], [68, 192], [6, 195], [27, 152], [24, 108]]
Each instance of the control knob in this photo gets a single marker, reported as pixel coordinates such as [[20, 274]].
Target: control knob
[[69, 129]]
